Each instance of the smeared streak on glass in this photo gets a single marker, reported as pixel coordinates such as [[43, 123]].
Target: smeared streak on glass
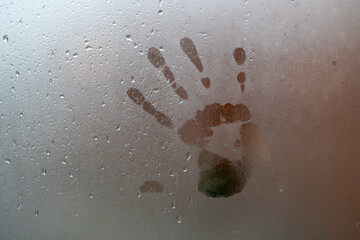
[[157, 60], [137, 97], [219, 177], [194, 131], [151, 187], [239, 55], [189, 49]]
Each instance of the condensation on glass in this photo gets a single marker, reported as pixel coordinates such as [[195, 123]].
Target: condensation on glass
[[179, 119]]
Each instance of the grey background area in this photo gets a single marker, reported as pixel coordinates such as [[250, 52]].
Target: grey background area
[[74, 149]]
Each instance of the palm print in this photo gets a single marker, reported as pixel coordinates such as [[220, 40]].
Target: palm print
[[219, 176]]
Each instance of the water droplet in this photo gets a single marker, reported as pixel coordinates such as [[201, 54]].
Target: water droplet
[[88, 48], [63, 161], [118, 128], [102, 168], [21, 114], [86, 42], [67, 52], [36, 213], [91, 195], [19, 206], [185, 169], [161, 12], [62, 96], [96, 138], [5, 38], [178, 218], [43, 171], [7, 160], [75, 55], [17, 73], [172, 174], [162, 146], [152, 32], [128, 37], [188, 156], [173, 204], [191, 200]]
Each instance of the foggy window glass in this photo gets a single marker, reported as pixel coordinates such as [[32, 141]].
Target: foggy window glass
[[179, 119]]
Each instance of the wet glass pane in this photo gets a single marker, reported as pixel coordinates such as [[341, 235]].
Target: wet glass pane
[[179, 119]]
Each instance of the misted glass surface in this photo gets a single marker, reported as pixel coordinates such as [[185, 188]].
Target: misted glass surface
[[180, 119]]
